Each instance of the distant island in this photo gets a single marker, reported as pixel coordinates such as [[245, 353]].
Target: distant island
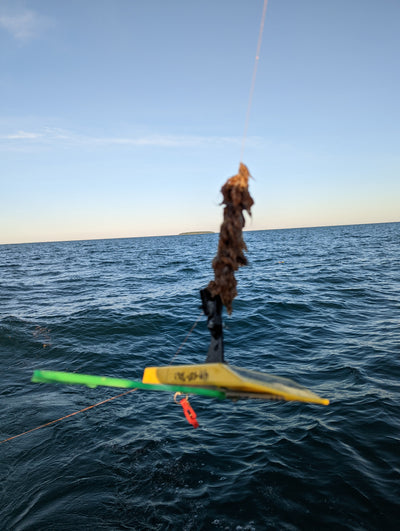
[[196, 232]]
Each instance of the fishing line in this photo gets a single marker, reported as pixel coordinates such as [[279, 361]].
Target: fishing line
[[186, 338], [67, 416], [103, 401], [253, 80]]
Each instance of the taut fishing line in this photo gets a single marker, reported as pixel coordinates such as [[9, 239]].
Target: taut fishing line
[[253, 79]]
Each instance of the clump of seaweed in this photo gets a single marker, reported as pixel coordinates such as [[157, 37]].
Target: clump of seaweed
[[230, 255]]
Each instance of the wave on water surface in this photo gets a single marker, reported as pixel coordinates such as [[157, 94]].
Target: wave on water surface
[[320, 306]]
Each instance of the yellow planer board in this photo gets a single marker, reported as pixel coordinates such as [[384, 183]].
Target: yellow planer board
[[235, 382]]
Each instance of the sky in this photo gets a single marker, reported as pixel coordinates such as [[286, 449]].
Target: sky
[[123, 118]]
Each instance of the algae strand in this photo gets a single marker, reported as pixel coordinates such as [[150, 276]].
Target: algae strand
[[230, 255]]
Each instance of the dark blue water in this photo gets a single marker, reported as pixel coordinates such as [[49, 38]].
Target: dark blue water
[[321, 306]]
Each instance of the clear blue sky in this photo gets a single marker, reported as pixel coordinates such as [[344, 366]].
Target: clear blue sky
[[124, 117]]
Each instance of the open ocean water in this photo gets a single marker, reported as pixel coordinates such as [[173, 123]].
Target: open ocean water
[[318, 305]]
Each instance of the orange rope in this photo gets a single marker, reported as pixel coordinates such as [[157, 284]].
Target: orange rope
[[67, 416], [253, 81]]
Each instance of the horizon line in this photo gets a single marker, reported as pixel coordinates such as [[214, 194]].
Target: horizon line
[[198, 233]]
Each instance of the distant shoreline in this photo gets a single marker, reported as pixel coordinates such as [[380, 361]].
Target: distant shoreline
[[272, 229], [196, 232]]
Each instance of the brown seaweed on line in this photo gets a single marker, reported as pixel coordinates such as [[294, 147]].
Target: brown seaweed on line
[[230, 255]]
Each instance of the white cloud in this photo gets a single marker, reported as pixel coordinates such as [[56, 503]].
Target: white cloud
[[23, 25], [22, 135], [163, 140], [61, 137]]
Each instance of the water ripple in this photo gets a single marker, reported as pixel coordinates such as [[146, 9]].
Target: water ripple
[[317, 305]]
